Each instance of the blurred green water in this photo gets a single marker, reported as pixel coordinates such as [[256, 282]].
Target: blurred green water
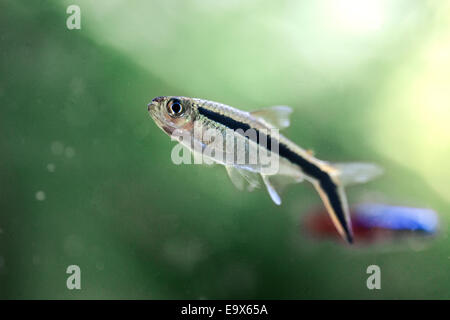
[[140, 227]]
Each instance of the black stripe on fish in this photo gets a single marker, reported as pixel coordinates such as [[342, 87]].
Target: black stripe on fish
[[326, 183], [236, 125]]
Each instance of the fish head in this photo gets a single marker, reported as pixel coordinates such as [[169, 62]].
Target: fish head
[[172, 113]]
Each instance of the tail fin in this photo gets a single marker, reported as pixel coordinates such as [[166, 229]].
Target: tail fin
[[333, 196], [357, 172], [331, 189]]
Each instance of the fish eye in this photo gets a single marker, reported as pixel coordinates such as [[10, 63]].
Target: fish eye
[[175, 108]]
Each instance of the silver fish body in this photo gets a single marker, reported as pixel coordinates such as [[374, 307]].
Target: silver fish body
[[191, 121]]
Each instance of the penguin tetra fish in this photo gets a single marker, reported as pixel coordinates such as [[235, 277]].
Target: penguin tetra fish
[[192, 118]]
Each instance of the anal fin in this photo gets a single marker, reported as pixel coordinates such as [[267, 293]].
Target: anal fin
[[275, 184], [271, 189]]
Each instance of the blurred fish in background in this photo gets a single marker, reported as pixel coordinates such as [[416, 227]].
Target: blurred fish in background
[[377, 223]]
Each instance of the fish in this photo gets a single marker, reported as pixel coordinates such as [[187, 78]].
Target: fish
[[188, 121], [374, 223]]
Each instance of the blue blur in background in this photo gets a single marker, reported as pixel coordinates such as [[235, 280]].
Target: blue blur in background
[[396, 218]]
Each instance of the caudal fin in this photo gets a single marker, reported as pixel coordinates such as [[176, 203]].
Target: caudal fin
[[335, 201], [333, 196], [331, 189], [357, 172]]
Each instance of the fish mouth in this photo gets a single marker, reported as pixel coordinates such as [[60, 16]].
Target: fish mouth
[[157, 119], [151, 106], [152, 109]]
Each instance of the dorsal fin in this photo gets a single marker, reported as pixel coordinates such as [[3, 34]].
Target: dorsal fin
[[276, 116]]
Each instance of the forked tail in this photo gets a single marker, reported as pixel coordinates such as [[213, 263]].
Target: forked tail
[[330, 187]]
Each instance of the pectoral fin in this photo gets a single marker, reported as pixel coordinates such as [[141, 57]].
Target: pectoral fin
[[277, 116], [243, 179], [195, 156]]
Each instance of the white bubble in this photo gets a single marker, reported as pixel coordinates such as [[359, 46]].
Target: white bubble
[[57, 148], [40, 195], [51, 167], [69, 152]]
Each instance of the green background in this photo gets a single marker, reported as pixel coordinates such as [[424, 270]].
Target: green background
[[368, 82]]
